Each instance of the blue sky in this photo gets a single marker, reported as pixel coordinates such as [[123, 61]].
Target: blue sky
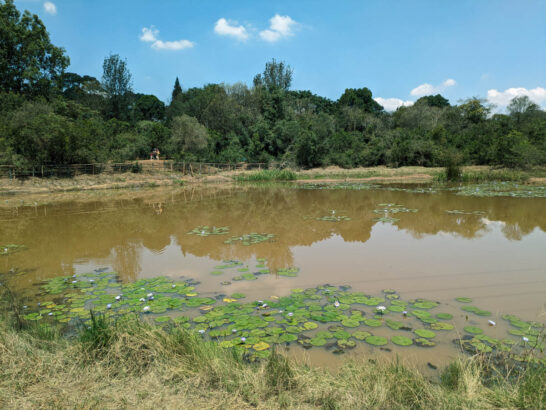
[[493, 49]]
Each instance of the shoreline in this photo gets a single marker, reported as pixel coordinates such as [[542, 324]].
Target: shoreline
[[380, 174]]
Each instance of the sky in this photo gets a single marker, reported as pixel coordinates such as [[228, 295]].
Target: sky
[[401, 50]]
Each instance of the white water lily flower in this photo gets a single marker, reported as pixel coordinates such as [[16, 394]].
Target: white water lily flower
[[525, 339], [50, 314], [264, 305], [201, 331], [280, 311], [491, 323], [146, 309], [336, 303], [381, 308], [118, 297], [150, 295], [234, 331], [243, 339], [173, 286], [108, 306], [405, 312], [290, 314], [74, 281], [92, 280], [25, 307], [142, 300]]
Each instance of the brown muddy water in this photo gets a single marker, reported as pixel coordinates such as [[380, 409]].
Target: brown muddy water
[[496, 257]]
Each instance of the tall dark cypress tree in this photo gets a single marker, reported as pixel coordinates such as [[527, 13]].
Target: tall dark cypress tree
[[177, 90]]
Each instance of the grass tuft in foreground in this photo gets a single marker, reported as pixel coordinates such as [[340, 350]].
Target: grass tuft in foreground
[[267, 175], [129, 363]]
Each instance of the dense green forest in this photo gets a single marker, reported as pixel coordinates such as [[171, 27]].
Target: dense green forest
[[51, 116]]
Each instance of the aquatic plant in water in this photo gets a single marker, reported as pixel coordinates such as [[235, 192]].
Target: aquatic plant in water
[[250, 239], [206, 230], [10, 249], [324, 316]]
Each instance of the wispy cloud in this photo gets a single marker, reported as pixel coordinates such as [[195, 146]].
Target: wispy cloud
[[225, 27], [151, 35], [427, 89], [391, 104], [50, 8], [172, 45], [503, 98], [279, 27]]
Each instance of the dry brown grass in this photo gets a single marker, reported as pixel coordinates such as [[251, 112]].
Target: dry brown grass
[[143, 367]]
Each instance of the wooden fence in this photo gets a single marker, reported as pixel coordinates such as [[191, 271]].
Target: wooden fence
[[159, 166]]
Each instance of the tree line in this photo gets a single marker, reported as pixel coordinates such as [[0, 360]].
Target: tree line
[[50, 116]]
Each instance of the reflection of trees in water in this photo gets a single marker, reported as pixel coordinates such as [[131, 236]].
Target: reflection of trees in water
[[76, 231], [127, 260]]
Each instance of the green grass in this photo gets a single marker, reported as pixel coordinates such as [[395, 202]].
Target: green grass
[[267, 175], [130, 363], [492, 175]]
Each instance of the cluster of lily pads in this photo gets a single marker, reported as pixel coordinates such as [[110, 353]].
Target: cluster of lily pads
[[206, 230], [245, 273], [10, 249], [460, 212], [387, 209], [528, 332], [333, 217], [490, 189], [70, 298], [496, 189], [324, 316], [250, 239]]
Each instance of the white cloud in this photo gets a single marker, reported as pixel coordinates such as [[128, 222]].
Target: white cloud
[[172, 45], [150, 35], [503, 98], [224, 27], [50, 8], [279, 27], [427, 89], [391, 104]]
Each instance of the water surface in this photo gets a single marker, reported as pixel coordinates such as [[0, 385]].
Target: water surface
[[496, 257]]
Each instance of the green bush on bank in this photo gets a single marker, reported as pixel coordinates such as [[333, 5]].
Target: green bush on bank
[[267, 175]]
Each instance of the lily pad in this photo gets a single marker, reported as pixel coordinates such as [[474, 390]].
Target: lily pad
[[376, 340], [260, 346], [441, 326], [476, 310], [401, 340], [361, 335], [422, 342], [318, 341], [444, 316], [473, 330], [373, 322], [428, 334], [463, 300]]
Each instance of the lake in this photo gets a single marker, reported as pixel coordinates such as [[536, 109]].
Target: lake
[[411, 243]]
